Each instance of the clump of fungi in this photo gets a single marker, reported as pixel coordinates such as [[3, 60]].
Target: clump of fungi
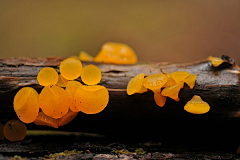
[[168, 85], [62, 96]]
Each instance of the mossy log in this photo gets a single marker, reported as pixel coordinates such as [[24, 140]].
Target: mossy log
[[219, 86]]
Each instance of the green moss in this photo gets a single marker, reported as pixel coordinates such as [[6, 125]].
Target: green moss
[[16, 157], [122, 151], [66, 152], [140, 151]]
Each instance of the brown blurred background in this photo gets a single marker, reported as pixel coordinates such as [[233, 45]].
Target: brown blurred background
[[158, 30]]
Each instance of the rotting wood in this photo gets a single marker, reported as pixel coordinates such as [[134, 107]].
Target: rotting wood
[[220, 87]]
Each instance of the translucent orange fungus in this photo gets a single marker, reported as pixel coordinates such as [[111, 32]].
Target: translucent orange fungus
[[215, 61], [26, 104], [172, 92], [135, 85], [197, 106], [91, 99], [70, 68], [84, 56], [91, 75], [190, 80], [15, 130], [71, 89], [1, 132], [155, 82], [170, 81], [62, 82], [47, 76], [54, 101], [159, 99], [179, 77], [67, 118], [44, 120], [118, 53]]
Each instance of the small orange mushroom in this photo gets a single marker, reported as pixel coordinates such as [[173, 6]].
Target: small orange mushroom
[[155, 82], [47, 76], [71, 88], [190, 80], [70, 68], [170, 81], [15, 130], [179, 77], [91, 75], [197, 106], [172, 92], [117, 53], [215, 61], [44, 120], [26, 104], [91, 99], [54, 101], [84, 56], [159, 99], [135, 85]]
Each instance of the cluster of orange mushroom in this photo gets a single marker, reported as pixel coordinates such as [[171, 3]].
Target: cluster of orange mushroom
[[62, 96], [168, 85]]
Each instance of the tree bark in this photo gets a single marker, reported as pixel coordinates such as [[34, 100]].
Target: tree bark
[[219, 86]]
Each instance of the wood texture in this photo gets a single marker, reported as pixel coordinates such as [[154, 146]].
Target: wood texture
[[220, 87]]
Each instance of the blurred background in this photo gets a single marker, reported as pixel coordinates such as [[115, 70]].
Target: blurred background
[[158, 30]]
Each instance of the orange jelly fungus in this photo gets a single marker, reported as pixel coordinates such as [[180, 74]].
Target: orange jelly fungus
[[91, 75], [172, 92], [135, 85], [179, 77], [84, 56], [71, 89], [117, 53], [67, 118], [215, 61], [54, 101], [1, 131], [197, 106], [71, 68], [170, 81], [15, 130], [26, 104], [190, 80], [91, 99], [155, 81], [62, 82], [159, 99], [44, 120], [47, 76]]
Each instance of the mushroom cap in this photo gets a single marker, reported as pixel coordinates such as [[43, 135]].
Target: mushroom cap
[[135, 84], [215, 61], [91, 99], [197, 106], [71, 88], [190, 80], [54, 101], [26, 104], [47, 76], [155, 82], [14, 130], [70, 68], [91, 75], [159, 99], [172, 91], [117, 53]]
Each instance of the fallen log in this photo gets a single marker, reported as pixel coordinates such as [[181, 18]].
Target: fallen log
[[220, 87]]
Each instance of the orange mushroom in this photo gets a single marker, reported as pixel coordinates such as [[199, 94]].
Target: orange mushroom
[[91, 75], [197, 106], [62, 82], [44, 120], [135, 85], [190, 80], [54, 101], [26, 104], [172, 92], [159, 99], [155, 82], [47, 76], [91, 99], [179, 77], [70, 68], [15, 130], [215, 61]]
